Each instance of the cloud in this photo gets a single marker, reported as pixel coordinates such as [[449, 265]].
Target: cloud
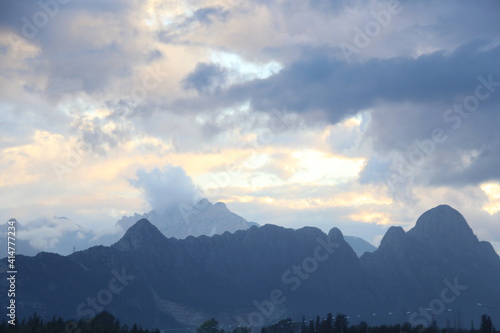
[[205, 78], [167, 188], [338, 89], [474, 167], [82, 48], [422, 144], [144, 84]]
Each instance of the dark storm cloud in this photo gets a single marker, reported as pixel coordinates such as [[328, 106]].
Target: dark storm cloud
[[483, 168], [408, 154], [339, 88]]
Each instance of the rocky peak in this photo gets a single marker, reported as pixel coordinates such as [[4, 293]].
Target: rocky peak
[[141, 235], [203, 218], [445, 227], [203, 205]]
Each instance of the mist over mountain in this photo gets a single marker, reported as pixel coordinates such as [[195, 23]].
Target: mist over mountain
[[55, 234], [22, 245], [251, 277], [203, 218], [63, 236]]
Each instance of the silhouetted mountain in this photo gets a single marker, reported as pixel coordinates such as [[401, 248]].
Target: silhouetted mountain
[[413, 267], [62, 235], [141, 236], [444, 231], [259, 275]]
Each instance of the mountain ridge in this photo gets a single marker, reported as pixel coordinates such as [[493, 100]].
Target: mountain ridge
[[212, 219], [230, 276]]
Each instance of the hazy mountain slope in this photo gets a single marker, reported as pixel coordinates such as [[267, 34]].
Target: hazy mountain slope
[[359, 245]]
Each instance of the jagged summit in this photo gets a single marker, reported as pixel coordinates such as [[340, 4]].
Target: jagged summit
[[203, 218], [143, 225], [142, 234], [203, 203]]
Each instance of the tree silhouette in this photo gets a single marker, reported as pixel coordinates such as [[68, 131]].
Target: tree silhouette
[[486, 325], [340, 323], [210, 326]]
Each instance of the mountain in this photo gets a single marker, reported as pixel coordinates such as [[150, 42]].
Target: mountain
[[62, 235], [359, 245], [259, 275], [419, 265], [204, 218]]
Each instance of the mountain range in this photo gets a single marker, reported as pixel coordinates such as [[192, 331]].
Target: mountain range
[[63, 236], [438, 269]]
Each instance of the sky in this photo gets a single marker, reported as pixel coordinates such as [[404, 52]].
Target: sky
[[352, 114]]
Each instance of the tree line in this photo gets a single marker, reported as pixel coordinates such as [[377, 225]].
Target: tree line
[[103, 322], [340, 324]]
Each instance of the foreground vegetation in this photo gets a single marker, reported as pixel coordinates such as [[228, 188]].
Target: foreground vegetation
[[104, 322], [340, 324]]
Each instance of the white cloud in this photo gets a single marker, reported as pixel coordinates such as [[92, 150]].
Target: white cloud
[[167, 188]]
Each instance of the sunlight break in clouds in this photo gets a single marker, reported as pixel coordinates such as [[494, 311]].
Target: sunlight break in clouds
[[492, 190]]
